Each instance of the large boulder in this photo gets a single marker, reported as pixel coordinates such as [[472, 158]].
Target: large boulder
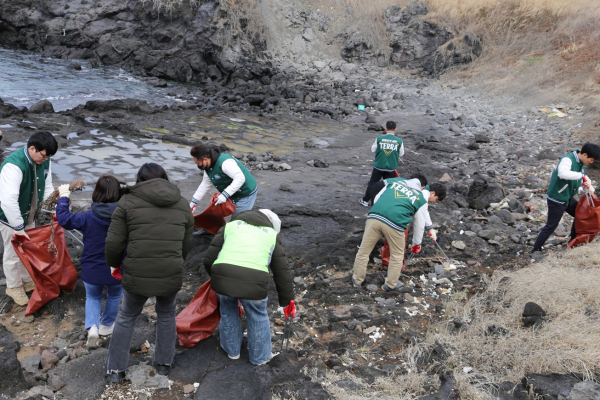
[[13, 380], [42, 107], [482, 194], [551, 386]]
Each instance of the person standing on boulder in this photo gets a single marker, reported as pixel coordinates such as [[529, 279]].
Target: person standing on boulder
[[388, 149], [565, 181], [238, 261], [25, 182], [399, 202], [95, 274], [231, 178], [150, 234]]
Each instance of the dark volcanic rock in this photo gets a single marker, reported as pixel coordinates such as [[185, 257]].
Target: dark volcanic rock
[[551, 386], [445, 390], [481, 194], [42, 107], [133, 106], [83, 378], [13, 380]]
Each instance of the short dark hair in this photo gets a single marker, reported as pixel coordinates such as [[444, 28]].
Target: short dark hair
[[200, 151], [390, 125], [151, 171], [106, 190], [43, 140], [420, 177], [439, 189], [592, 150]]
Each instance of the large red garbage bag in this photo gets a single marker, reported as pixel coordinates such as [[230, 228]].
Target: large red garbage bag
[[199, 319], [587, 220], [212, 218], [48, 263]]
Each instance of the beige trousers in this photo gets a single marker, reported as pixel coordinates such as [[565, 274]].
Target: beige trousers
[[15, 271], [374, 230]]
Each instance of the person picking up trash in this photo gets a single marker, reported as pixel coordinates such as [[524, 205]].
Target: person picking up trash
[[565, 181], [399, 202], [231, 178], [388, 149], [25, 182], [95, 273], [238, 261]]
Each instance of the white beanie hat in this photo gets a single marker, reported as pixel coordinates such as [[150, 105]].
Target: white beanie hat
[[273, 218]]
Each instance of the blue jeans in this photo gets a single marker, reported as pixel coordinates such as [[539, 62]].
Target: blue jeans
[[245, 204], [259, 328], [93, 304]]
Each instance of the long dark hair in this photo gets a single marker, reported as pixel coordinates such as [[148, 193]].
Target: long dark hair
[[151, 171], [107, 190]]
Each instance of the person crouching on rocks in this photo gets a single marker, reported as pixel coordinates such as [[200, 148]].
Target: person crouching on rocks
[[238, 262], [394, 207], [152, 229], [565, 181], [25, 182], [95, 273], [228, 175]]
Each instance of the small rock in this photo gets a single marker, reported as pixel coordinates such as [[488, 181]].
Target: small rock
[[370, 118], [454, 128], [481, 138], [285, 187], [372, 288], [321, 164], [55, 383], [76, 66], [347, 384], [473, 146], [445, 178], [28, 319], [430, 111], [60, 344], [281, 167], [31, 364], [48, 360], [506, 217], [41, 390], [533, 310], [188, 389], [310, 163], [471, 262], [487, 234], [145, 377], [458, 244]]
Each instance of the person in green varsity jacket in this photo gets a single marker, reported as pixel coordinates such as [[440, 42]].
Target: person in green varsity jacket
[[228, 175], [395, 206], [388, 149], [25, 181], [238, 261], [565, 181]]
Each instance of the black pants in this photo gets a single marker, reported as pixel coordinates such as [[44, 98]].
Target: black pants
[[376, 176], [555, 213]]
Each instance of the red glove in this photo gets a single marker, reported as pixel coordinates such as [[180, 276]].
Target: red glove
[[116, 272], [54, 218], [415, 249], [290, 310]]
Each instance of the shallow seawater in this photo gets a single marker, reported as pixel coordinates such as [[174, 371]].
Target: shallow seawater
[[26, 78]]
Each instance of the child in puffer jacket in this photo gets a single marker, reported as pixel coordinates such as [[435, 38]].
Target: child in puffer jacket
[[95, 273]]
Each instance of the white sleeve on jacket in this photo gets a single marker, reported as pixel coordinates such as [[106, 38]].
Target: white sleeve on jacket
[[564, 170], [401, 151], [10, 183], [419, 221], [374, 146], [202, 189], [233, 170], [49, 187], [428, 223]]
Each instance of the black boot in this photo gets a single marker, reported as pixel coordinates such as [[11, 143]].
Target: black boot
[[115, 377], [163, 369]]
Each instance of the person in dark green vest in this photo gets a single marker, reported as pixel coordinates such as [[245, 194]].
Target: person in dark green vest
[[238, 261], [388, 149], [226, 173], [395, 206], [25, 181], [565, 181]]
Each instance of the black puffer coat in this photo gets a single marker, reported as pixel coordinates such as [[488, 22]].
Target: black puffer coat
[[154, 224]]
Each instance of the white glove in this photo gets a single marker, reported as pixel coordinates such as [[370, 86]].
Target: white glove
[[63, 190], [22, 233], [590, 187], [433, 234], [222, 199]]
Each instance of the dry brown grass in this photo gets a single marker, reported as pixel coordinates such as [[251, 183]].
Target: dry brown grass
[[566, 286]]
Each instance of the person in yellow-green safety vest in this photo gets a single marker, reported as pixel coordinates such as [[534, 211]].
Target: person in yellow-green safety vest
[[238, 261]]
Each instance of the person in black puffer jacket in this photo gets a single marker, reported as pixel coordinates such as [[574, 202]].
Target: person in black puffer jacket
[[238, 262], [151, 231]]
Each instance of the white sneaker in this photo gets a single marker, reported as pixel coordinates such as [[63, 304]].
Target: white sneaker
[[92, 341], [267, 360], [233, 357], [106, 330]]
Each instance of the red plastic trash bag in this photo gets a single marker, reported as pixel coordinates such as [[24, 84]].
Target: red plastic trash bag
[[48, 263], [384, 251], [212, 219], [587, 220], [199, 319]]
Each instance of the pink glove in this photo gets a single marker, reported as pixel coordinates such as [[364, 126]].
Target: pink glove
[[415, 249], [290, 310]]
